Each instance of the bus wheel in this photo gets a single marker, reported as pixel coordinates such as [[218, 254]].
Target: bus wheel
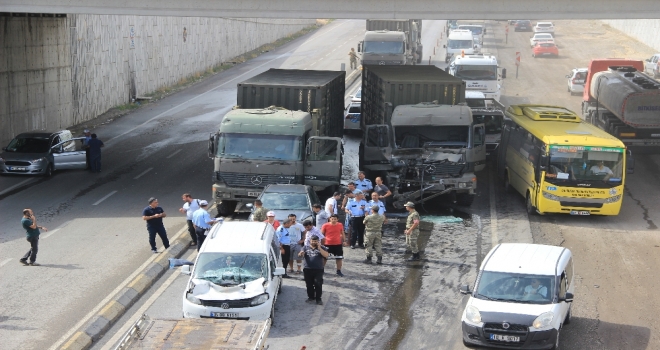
[[507, 184], [528, 205]]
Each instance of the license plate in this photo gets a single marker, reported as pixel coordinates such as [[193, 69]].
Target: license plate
[[224, 314], [507, 338], [580, 212], [17, 168], [253, 194]]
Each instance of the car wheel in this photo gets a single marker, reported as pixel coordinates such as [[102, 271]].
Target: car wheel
[[556, 347], [272, 315], [49, 170], [528, 205], [569, 316]]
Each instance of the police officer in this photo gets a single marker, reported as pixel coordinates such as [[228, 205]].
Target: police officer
[[375, 200], [363, 184], [412, 230], [373, 232], [353, 58], [357, 209]]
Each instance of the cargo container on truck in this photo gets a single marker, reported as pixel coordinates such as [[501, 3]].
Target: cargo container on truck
[[286, 128], [621, 100], [419, 135], [392, 42]]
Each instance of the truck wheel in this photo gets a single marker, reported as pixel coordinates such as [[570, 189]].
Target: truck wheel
[[464, 199], [226, 208]]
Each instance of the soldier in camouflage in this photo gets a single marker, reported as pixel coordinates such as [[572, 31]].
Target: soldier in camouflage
[[373, 232], [259, 214], [412, 230]]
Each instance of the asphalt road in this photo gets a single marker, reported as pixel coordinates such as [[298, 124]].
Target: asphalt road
[[396, 305]]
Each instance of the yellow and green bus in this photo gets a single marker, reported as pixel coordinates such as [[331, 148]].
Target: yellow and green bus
[[559, 163]]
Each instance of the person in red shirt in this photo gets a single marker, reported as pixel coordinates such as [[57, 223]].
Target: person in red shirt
[[335, 240], [271, 219]]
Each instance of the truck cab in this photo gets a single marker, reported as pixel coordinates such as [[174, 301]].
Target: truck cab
[[392, 42], [480, 73]]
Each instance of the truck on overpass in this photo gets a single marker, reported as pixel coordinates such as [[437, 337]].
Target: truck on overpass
[[392, 42]]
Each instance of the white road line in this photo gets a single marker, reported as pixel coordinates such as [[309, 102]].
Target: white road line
[[17, 185], [143, 309], [50, 233], [4, 262], [142, 173], [104, 198], [173, 154], [103, 302], [494, 239]]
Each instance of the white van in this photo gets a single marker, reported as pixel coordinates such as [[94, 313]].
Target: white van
[[477, 30], [460, 41], [521, 299], [237, 273]]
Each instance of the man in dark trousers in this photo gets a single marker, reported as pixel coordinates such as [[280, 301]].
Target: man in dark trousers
[[153, 215], [29, 223], [314, 255], [94, 146], [88, 136]]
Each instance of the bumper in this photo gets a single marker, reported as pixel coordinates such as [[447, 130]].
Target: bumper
[[32, 169], [529, 340], [568, 208], [237, 194], [352, 124], [259, 312]]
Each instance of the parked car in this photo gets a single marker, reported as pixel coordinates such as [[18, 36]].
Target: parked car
[[543, 48], [285, 199], [352, 116], [576, 79], [357, 95], [521, 299], [544, 27], [237, 273], [522, 25], [41, 153], [547, 37], [652, 66]]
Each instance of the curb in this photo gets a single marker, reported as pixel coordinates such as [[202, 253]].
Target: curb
[[352, 77], [95, 328]]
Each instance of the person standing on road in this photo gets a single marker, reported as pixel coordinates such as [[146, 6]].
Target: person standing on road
[[335, 240], [190, 205], [331, 204], [203, 222], [363, 184], [412, 230], [94, 146], [321, 215], [373, 232], [375, 200], [310, 231], [153, 215], [271, 220], [297, 231], [353, 57], [284, 236], [357, 208], [29, 223], [315, 256], [260, 212], [88, 136], [382, 190]]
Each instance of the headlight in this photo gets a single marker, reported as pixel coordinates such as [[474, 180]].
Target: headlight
[[613, 199], [38, 160], [472, 314], [191, 298], [462, 184], [258, 300], [550, 196], [544, 320]]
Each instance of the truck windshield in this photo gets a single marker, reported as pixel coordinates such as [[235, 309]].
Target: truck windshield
[[28, 145], [514, 287], [259, 146], [476, 72], [383, 47], [459, 44], [474, 30], [598, 166], [417, 136], [285, 201], [493, 123]]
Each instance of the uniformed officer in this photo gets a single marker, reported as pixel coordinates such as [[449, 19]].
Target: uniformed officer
[[357, 209], [353, 58], [373, 232], [412, 230], [260, 212], [363, 184], [375, 200]]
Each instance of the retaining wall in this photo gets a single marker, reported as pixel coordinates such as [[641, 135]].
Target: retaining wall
[[644, 30]]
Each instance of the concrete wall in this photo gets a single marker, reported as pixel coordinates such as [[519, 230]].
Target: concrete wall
[[645, 30], [58, 72]]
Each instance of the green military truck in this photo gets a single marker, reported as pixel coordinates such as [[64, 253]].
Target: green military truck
[[286, 129], [392, 42]]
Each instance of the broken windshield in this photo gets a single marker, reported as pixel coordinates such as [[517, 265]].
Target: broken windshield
[[476, 72], [259, 146], [227, 269], [417, 136], [383, 47]]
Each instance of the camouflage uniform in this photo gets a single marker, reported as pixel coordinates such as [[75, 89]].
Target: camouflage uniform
[[411, 239], [353, 56], [260, 215], [373, 228]]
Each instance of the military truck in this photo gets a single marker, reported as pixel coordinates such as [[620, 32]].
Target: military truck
[[419, 135], [287, 128], [392, 42]]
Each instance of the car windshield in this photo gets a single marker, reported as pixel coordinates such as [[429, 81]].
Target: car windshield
[[354, 109], [28, 145], [580, 75], [547, 45], [515, 287], [227, 269], [523, 23], [544, 25], [459, 44], [597, 166], [543, 37], [285, 201], [476, 72], [474, 30], [384, 47], [259, 146]]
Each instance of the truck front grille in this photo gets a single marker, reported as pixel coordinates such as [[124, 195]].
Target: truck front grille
[[444, 168], [256, 180]]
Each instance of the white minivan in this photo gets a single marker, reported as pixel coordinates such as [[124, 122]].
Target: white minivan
[[460, 41], [521, 299], [237, 273]]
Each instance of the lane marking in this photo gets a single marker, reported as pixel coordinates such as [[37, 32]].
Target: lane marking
[[50, 233], [173, 154], [104, 198], [142, 173], [494, 239], [103, 302], [4, 262], [147, 304], [17, 185]]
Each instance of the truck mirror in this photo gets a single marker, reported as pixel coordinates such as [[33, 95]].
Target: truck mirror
[[444, 46], [630, 163], [279, 271], [503, 73], [211, 150], [465, 289], [185, 269], [543, 163], [567, 298], [360, 46]]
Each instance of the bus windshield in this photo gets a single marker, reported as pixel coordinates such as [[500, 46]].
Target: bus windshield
[[259, 146], [598, 166]]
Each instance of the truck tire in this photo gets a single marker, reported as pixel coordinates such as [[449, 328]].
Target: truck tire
[[464, 199], [226, 208], [531, 210]]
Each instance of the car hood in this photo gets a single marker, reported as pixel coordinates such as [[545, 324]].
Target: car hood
[[22, 156], [206, 290], [283, 215], [500, 311]]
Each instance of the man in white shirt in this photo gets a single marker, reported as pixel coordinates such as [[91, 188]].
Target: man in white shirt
[[297, 232], [601, 169], [189, 207], [331, 204], [535, 290]]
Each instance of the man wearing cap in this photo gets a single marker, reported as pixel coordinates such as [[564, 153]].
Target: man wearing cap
[[270, 218], [357, 208], [260, 212], [373, 231], [315, 256], [88, 136], [412, 230], [153, 215], [202, 221]]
